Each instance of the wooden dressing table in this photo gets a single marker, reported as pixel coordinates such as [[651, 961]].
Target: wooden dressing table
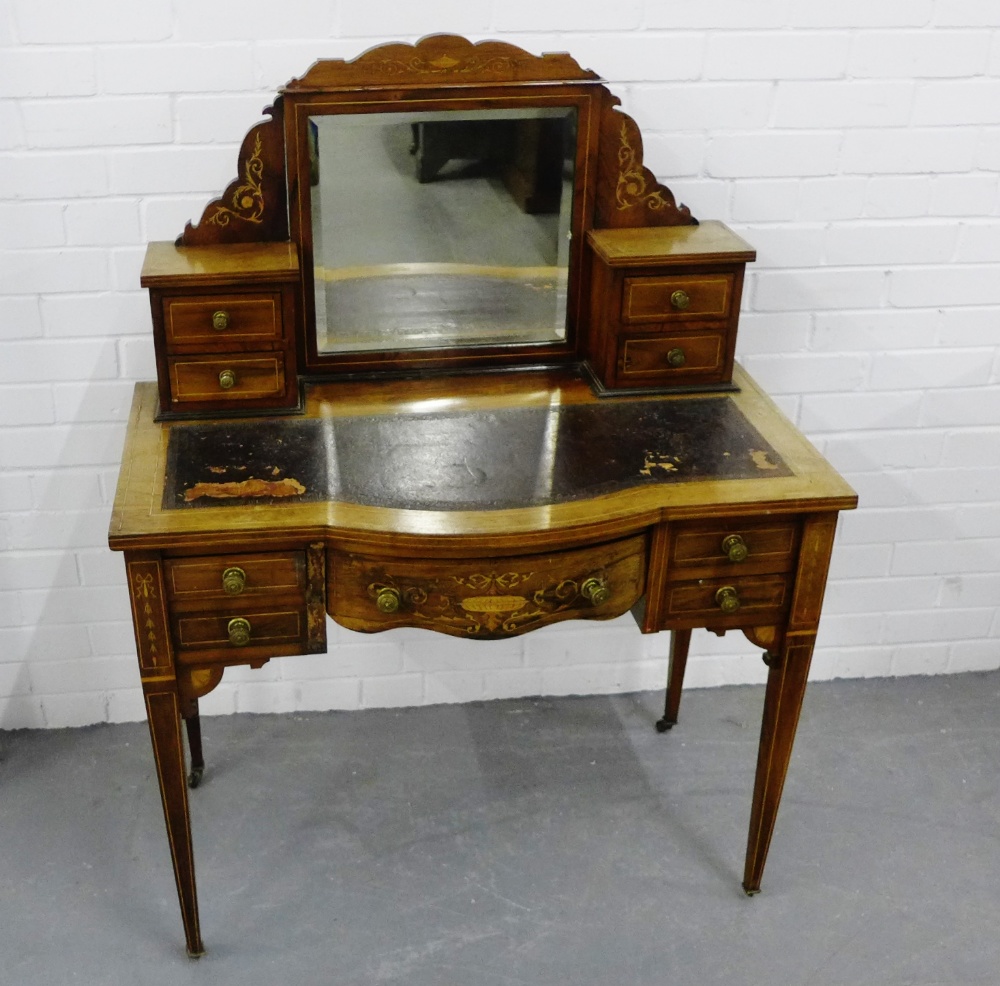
[[591, 451]]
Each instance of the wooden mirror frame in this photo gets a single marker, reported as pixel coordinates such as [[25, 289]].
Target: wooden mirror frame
[[264, 204]]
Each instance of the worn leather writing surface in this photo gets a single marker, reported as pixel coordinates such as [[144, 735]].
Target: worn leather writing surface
[[465, 460]]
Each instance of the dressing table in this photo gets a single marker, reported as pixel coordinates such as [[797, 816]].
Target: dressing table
[[445, 354]]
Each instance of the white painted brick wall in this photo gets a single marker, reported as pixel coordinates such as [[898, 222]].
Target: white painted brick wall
[[857, 144]]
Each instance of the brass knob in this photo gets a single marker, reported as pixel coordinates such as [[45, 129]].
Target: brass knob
[[680, 299], [227, 379], [727, 599], [735, 548], [234, 580], [239, 632], [675, 357], [387, 600], [220, 320], [595, 590]]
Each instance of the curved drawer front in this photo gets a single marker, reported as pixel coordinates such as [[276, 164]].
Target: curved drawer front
[[486, 597]]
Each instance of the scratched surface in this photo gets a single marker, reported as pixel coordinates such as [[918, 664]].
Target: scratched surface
[[477, 460]]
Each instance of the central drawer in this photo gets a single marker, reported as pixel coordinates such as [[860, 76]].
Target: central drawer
[[486, 597]]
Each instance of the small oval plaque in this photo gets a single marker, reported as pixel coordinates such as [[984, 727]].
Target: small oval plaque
[[493, 604]]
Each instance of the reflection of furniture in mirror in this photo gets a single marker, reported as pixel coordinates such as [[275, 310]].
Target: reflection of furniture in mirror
[[472, 500], [442, 260]]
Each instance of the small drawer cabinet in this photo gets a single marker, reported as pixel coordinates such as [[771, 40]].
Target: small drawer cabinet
[[224, 326], [729, 573], [244, 608], [665, 307]]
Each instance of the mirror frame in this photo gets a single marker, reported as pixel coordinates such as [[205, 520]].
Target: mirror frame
[[270, 200]]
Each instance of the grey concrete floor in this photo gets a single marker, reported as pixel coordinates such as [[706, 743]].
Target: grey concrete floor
[[539, 841]]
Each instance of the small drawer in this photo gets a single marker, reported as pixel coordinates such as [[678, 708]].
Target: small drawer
[[666, 299], [239, 628], [227, 377], [738, 601], [720, 548], [199, 582], [486, 597], [222, 319], [672, 356]]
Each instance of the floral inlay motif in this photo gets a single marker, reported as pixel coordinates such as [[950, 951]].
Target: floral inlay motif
[[145, 592], [632, 186], [247, 201]]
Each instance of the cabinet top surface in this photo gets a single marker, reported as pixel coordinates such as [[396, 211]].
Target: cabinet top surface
[[667, 245], [491, 460], [168, 265]]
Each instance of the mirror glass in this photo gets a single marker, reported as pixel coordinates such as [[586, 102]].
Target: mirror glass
[[441, 229]]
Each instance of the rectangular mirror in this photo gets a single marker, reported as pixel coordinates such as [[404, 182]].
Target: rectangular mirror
[[441, 229]]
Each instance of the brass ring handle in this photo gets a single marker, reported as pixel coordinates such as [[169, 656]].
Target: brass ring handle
[[227, 379], [239, 631], [220, 320], [680, 299], [727, 599], [595, 590], [735, 548], [387, 600], [676, 357], [234, 580]]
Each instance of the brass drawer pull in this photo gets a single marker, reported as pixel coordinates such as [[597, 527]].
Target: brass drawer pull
[[680, 299], [727, 599], [676, 357], [239, 631], [220, 320], [387, 600], [595, 590], [227, 379], [735, 548], [234, 580]]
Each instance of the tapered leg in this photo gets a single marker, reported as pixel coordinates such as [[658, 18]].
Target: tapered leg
[[680, 641], [193, 725], [786, 686], [162, 710]]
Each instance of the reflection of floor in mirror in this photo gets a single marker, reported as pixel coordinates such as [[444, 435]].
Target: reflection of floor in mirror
[[370, 209], [430, 308]]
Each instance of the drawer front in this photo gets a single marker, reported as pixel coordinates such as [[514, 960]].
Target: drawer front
[[222, 319], [672, 357], [714, 548], [240, 628], [487, 597], [200, 582], [227, 378], [667, 299], [733, 602]]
